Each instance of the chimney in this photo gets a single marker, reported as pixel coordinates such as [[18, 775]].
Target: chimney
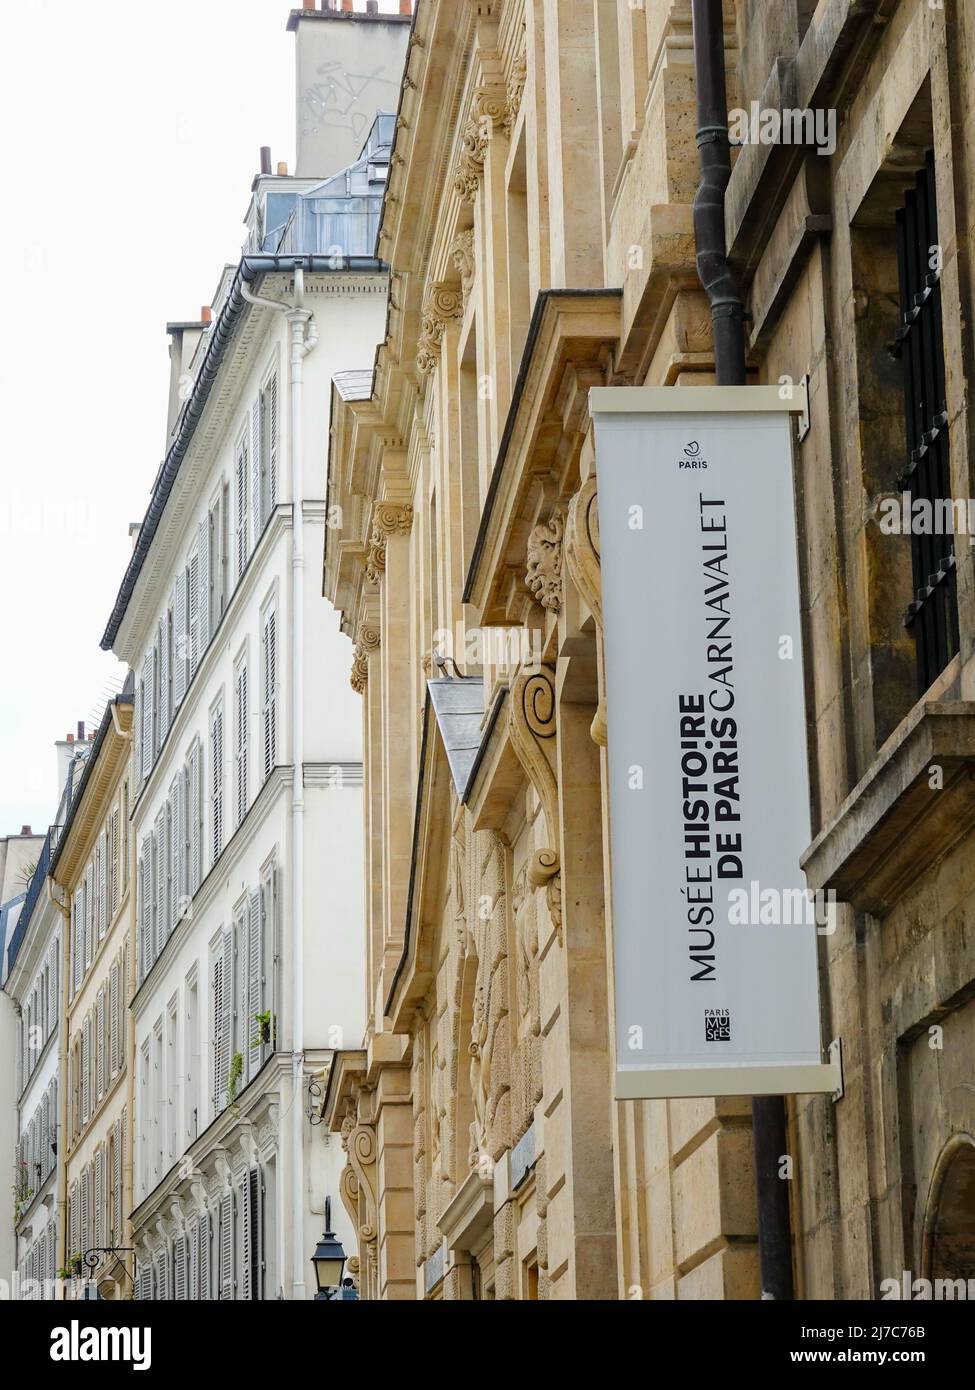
[[372, 6], [307, 4], [70, 738], [282, 169], [347, 6], [81, 728], [26, 830], [406, 6], [206, 313], [265, 159]]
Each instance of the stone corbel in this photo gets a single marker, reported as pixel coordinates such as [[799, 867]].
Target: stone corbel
[[367, 642], [581, 551], [544, 553], [443, 303], [514, 90], [358, 1181], [387, 519], [531, 729], [488, 111]]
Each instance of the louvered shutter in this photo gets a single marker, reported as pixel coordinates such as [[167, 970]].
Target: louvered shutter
[[205, 592], [99, 1050], [246, 1249], [154, 892], [254, 971], [74, 1223], [52, 987], [86, 1070], [118, 1141], [194, 608], [242, 732], [85, 1234], [116, 832], [271, 399], [269, 662], [137, 722], [145, 900], [103, 886], [179, 844], [179, 1269], [148, 691], [195, 803], [99, 1196], [219, 1061], [162, 1275], [206, 1290], [216, 783], [179, 640], [89, 915], [256, 465], [165, 713], [113, 1011], [75, 953], [226, 1273], [241, 504]]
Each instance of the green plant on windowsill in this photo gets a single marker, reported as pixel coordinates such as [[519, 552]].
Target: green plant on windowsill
[[72, 1269], [233, 1079], [265, 1029]]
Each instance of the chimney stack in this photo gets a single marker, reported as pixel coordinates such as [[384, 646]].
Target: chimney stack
[[307, 4], [282, 169], [347, 6], [265, 159], [406, 6], [81, 728], [372, 6], [206, 313], [26, 830]]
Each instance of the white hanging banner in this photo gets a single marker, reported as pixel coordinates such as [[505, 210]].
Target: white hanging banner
[[714, 931]]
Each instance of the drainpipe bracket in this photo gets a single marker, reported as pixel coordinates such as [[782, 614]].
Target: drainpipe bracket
[[834, 1059]]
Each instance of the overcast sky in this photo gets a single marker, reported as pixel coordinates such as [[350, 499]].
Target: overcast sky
[[131, 134]]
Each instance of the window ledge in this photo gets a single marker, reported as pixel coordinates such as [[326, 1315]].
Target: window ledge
[[894, 826]]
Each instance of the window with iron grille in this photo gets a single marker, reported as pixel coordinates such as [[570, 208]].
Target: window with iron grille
[[932, 615]]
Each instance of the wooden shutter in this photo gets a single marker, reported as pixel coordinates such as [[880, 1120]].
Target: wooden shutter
[[75, 955], [99, 1050], [271, 407], [85, 1234], [165, 643], [194, 608], [179, 1269], [226, 1273], [193, 1259], [257, 519], [89, 915], [205, 586], [162, 1275], [145, 911], [154, 891], [246, 1247], [206, 1291], [269, 693], [255, 1003], [148, 691], [240, 506], [179, 640], [137, 725], [118, 1216], [117, 830], [53, 1011], [242, 733], [103, 914], [222, 1018], [195, 803], [216, 783], [74, 1222], [113, 1009], [86, 1070], [100, 1197], [178, 798]]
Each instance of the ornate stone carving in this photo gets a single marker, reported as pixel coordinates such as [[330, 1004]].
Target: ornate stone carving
[[515, 88], [544, 575], [581, 551], [367, 641], [462, 255], [488, 112], [443, 303], [357, 1184], [387, 519], [531, 726]]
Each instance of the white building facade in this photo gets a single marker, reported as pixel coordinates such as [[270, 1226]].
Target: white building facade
[[247, 811]]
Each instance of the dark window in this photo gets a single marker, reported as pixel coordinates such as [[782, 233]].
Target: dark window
[[933, 614]]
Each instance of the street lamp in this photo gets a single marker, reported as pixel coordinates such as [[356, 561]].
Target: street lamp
[[329, 1261]]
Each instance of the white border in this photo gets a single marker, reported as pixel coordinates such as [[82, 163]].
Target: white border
[[690, 400], [673, 1083]]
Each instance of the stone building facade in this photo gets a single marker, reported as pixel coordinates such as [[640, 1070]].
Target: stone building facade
[[538, 224]]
